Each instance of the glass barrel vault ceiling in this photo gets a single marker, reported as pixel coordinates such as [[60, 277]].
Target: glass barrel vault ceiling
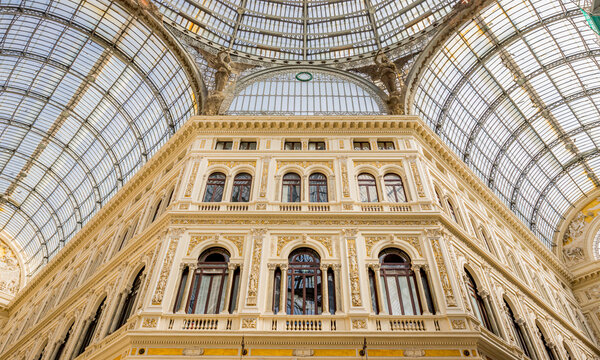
[[310, 30], [515, 92], [87, 94]]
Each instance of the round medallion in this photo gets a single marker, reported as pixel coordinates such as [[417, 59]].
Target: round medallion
[[304, 76]]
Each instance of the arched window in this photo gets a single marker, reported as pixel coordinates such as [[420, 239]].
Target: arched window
[[170, 197], [156, 210], [62, 345], [394, 188], [207, 295], [367, 188], [215, 186], [438, 197], [304, 292], [91, 329], [276, 290], [182, 283], [317, 188], [242, 184], [477, 302], [545, 344], [130, 299], [124, 238], [516, 328], [399, 289], [290, 191], [452, 211]]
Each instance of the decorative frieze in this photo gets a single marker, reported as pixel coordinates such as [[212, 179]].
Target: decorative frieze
[[378, 164], [195, 240], [371, 241], [417, 177], [458, 324], [254, 272], [164, 272], [443, 271], [231, 163], [354, 279], [282, 241], [249, 323], [264, 178], [191, 180], [152, 257], [304, 164], [326, 242], [238, 241]]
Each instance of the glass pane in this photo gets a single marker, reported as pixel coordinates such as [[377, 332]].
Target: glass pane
[[406, 295], [394, 297], [202, 294]]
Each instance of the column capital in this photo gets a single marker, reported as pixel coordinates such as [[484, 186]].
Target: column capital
[[416, 267], [324, 267], [336, 266], [521, 322], [272, 266], [484, 294]]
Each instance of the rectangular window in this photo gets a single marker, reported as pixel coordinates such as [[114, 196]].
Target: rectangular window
[[224, 145], [248, 145], [362, 145], [386, 145], [316, 145], [293, 145]]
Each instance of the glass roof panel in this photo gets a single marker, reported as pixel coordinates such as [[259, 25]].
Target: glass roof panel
[[88, 92], [305, 30], [517, 105]]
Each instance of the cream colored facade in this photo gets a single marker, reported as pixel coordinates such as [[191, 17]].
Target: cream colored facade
[[348, 235]]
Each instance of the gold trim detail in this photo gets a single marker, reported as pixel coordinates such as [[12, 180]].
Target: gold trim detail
[[231, 164], [354, 280], [195, 240], [192, 179], [164, 272], [439, 259], [254, 273], [304, 164], [417, 176]]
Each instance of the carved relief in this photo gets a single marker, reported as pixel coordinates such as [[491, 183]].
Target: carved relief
[[370, 242], [263, 180], [573, 255], [195, 240], [254, 272], [149, 323], [249, 323], [345, 184], [282, 241], [341, 222], [304, 164], [238, 241], [10, 273], [153, 255], [458, 324], [354, 280], [191, 180], [444, 277], [164, 272], [414, 241], [414, 353], [231, 164], [417, 176], [377, 164], [325, 241], [359, 324]]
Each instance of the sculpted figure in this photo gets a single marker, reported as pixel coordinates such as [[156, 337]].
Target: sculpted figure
[[224, 70], [388, 72]]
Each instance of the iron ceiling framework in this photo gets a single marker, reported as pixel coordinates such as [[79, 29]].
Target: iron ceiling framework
[[88, 92], [514, 92], [305, 31]]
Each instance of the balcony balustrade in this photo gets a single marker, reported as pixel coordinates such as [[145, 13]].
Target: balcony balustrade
[[309, 207]]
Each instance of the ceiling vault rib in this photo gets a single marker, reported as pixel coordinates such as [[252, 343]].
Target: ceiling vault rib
[[238, 21], [370, 10]]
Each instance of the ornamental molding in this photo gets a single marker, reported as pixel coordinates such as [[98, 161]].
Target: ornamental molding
[[417, 177], [232, 163], [304, 164], [443, 273], [353, 273], [164, 272], [191, 179], [236, 239], [251, 300], [378, 164]]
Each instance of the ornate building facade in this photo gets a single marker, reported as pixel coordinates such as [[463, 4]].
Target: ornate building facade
[[340, 237]]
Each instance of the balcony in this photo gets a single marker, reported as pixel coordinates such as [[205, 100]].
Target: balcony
[[309, 324], [308, 207]]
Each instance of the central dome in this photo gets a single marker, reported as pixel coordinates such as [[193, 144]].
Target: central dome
[[301, 31]]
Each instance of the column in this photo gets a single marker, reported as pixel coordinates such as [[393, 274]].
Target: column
[[230, 270], [425, 269], [283, 296], [338, 288], [119, 308], [485, 296], [187, 289], [523, 326], [552, 347], [324, 284], [277, 188], [86, 322], [270, 290], [304, 189], [424, 304], [55, 348], [382, 305]]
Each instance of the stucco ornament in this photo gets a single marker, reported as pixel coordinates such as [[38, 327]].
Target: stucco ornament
[[575, 229], [10, 274], [573, 254]]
